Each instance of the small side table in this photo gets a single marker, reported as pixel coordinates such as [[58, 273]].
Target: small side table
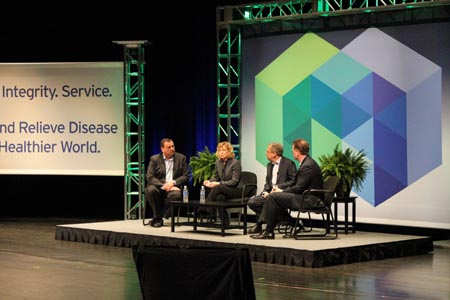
[[346, 201]]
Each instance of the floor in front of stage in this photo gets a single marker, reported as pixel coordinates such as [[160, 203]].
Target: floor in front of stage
[[347, 248], [34, 265]]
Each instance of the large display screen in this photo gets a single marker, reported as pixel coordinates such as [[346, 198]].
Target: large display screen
[[62, 118], [384, 90]]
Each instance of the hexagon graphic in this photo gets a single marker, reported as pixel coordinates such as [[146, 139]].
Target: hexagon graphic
[[374, 94]]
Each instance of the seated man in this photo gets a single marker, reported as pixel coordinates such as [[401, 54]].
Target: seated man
[[309, 176], [280, 174], [167, 172]]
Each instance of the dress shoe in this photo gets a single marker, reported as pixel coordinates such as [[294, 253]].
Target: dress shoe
[[300, 227], [265, 235], [157, 223], [167, 214], [207, 214], [257, 228]]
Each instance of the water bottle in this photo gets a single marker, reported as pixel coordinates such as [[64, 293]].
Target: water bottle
[[202, 194], [185, 194]]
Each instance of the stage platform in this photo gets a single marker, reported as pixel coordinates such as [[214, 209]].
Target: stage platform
[[347, 248]]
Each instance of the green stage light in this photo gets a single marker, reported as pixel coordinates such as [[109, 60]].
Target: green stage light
[[320, 5]]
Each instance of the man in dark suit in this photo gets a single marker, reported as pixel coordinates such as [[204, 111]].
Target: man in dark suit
[[280, 174], [167, 172], [309, 176]]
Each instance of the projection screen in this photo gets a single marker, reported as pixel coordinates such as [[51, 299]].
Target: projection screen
[[62, 118], [385, 90]]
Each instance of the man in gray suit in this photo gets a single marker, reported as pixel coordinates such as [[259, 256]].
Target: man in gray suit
[[280, 174], [167, 172]]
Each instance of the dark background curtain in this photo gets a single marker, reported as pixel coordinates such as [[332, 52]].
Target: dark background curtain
[[180, 91]]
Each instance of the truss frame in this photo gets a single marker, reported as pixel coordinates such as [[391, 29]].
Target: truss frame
[[134, 119], [234, 23]]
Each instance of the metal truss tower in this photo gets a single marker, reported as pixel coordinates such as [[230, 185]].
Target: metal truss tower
[[228, 85], [298, 16], [134, 179]]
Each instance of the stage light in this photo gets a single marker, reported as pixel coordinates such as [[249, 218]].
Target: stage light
[[247, 14]]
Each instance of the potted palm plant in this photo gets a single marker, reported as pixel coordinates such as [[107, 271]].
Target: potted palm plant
[[350, 166], [202, 165]]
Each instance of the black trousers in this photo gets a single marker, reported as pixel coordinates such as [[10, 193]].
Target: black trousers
[[223, 192], [257, 204], [276, 206], [159, 200]]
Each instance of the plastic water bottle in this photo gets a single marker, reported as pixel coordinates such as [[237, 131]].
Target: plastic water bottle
[[202, 194], [185, 194]]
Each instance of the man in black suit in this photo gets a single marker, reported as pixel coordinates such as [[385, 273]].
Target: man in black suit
[[167, 172], [280, 174], [309, 176]]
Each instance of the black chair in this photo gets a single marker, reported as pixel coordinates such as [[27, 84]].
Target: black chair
[[326, 220], [249, 185]]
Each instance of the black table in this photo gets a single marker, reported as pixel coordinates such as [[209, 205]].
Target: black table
[[219, 205], [346, 201]]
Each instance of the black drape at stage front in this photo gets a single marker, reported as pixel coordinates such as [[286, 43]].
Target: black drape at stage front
[[194, 273]]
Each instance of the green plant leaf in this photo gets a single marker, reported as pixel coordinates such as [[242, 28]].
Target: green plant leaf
[[350, 166], [202, 165]]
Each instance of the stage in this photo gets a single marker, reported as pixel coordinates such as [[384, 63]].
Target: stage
[[347, 248]]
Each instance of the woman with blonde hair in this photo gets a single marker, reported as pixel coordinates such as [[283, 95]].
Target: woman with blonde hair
[[227, 173]]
